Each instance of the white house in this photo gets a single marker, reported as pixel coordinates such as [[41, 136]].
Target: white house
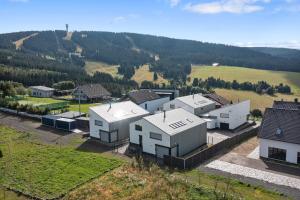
[[148, 100], [228, 117], [175, 132], [195, 104], [110, 122], [279, 136], [41, 91]]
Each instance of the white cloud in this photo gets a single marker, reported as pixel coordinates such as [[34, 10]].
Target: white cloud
[[119, 19], [19, 1], [227, 6], [293, 44], [173, 3]]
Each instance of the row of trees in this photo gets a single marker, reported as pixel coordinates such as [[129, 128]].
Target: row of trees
[[259, 87]]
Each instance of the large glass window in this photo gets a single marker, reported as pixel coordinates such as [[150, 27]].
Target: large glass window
[[138, 127], [276, 153], [155, 136], [98, 123], [298, 160]]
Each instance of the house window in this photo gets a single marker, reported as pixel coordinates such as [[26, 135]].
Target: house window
[[138, 128], [172, 106], [98, 123], [276, 153], [224, 115], [155, 136], [298, 159]]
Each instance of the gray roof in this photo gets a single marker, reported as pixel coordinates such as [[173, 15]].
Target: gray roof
[[43, 88], [289, 105], [141, 96], [287, 122], [119, 111], [93, 90], [217, 98], [195, 100], [176, 121], [71, 114]]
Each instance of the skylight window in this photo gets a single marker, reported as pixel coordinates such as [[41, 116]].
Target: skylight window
[[177, 124]]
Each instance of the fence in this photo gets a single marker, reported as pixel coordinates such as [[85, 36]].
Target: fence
[[201, 156], [23, 114]]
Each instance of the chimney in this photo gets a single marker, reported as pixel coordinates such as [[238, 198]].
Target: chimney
[[193, 95], [110, 105], [164, 115]]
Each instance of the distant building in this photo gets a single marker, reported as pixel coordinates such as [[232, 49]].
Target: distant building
[[41, 91], [195, 104], [279, 135], [171, 93], [176, 132], [148, 100], [91, 93], [110, 122], [228, 117]]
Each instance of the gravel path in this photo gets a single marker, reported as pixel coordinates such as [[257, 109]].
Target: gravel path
[[255, 173]]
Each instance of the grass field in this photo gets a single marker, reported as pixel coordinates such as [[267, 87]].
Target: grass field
[[84, 107], [257, 101], [39, 101], [46, 171], [93, 67], [246, 74], [134, 183], [143, 73]]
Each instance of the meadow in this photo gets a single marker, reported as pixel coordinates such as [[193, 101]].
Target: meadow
[[257, 101], [242, 74], [46, 171], [92, 67], [143, 73]]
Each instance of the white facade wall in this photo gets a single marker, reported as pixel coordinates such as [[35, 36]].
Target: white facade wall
[[237, 114], [94, 129], [148, 143], [291, 149], [178, 104], [41, 93], [155, 105]]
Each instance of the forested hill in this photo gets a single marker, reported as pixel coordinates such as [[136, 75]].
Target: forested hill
[[171, 57]]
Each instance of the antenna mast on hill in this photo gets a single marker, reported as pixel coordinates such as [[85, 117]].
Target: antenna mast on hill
[[67, 28]]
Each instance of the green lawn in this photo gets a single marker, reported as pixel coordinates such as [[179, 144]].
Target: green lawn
[[46, 171], [84, 107], [247, 74], [39, 101]]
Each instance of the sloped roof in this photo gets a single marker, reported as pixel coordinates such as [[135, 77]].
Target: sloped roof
[[141, 96], [93, 90], [43, 88], [176, 121], [289, 105], [195, 100], [217, 98], [286, 122], [119, 111]]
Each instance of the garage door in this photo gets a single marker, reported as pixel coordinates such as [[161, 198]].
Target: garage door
[[161, 151], [224, 126]]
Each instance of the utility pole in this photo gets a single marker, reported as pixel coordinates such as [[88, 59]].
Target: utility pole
[[79, 101]]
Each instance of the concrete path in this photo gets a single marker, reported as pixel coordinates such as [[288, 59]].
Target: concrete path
[[255, 173]]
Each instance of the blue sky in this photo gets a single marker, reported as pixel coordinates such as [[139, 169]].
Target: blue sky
[[238, 22]]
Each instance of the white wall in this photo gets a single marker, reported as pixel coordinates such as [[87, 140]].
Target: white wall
[[148, 143], [237, 114], [156, 104], [178, 104], [291, 149], [41, 93], [94, 130]]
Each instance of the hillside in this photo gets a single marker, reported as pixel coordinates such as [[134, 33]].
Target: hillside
[[171, 57]]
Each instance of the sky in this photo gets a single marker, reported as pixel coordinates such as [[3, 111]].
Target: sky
[[235, 22]]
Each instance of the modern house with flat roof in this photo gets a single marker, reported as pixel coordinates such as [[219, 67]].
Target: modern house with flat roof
[[41, 91], [148, 100], [279, 135], [110, 122], [195, 104], [176, 132], [228, 117], [171, 93], [91, 93], [219, 100]]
